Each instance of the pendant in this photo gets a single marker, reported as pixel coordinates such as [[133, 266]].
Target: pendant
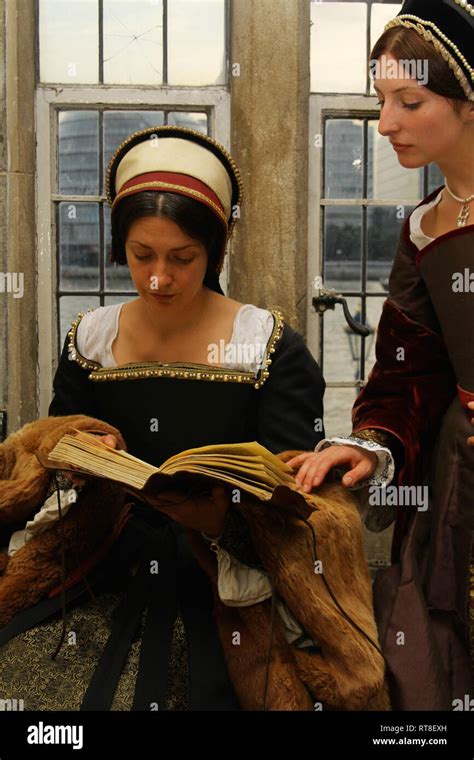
[[463, 215]]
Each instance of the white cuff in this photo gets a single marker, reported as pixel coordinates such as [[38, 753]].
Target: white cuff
[[385, 470]]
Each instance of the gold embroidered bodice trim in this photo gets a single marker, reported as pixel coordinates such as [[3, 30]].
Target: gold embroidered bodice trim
[[182, 371]]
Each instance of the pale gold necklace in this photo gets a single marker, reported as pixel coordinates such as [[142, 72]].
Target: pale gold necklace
[[465, 210]]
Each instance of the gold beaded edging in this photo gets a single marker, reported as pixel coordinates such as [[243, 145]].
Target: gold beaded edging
[[181, 371], [420, 25], [168, 186]]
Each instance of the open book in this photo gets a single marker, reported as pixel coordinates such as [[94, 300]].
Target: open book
[[247, 466]]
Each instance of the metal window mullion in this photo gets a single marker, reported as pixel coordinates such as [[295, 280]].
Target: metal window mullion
[[368, 25], [344, 384], [96, 293], [101, 41], [364, 243], [101, 210], [165, 41], [228, 41], [357, 294], [78, 198], [365, 202], [322, 238], [56, 216]]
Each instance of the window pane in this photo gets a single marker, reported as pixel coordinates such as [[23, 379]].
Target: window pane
[[338, 403], [388, 180], [109, 300], [435, 178], [118, 125], [78, 234], [196, 42], [384, 224], [373, 313], [381, 14], [69, 41], [78, 152], [338, 47], [133, 41], [197, 121], [341, 345], [342, 247], [69, 308], [117, 276], [343, 160]]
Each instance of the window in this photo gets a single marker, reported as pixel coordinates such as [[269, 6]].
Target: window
[[154, 42], [359, 197]]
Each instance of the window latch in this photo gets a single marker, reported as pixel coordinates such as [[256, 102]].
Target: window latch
[[327, 299]]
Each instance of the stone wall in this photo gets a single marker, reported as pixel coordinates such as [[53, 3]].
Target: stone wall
[[270, 87]]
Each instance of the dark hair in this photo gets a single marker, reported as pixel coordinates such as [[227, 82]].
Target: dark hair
[[193, 217], [407, 44]]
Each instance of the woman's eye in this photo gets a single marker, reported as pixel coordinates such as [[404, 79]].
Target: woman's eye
[[412, 106], [143, 258], [183, 261]]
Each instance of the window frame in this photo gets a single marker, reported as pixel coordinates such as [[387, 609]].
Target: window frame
[[50, 99], [321, 107]]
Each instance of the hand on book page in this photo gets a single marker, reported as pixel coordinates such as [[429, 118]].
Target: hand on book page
[[203, 513]]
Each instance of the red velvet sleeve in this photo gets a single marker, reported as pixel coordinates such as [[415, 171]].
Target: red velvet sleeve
[[408, 389]]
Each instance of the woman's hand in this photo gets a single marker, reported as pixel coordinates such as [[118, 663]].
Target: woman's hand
[[81, 480], [313, 468], [470, 440], [203, 513]]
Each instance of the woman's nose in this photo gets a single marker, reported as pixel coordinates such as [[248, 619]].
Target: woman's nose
[[160, 278], [388, 122]]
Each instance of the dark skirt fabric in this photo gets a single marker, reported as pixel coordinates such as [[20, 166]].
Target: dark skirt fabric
[[423, 604], [108, 632]]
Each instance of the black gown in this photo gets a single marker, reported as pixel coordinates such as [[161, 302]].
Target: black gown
[[162, 409]]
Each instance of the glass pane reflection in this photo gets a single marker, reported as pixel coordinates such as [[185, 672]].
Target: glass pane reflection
[[338, 403], [381, 14], [196, 42], [78, 152], [69, 41], [197, 121], [338, 47], [133, 41], [435, 178], [388, 180], [118, 125], [384, 224], [341, 346], [78, 231], [344, 165], [70, 307], [342, 247]]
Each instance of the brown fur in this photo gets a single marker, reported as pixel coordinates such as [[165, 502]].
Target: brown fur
[[349, 673], [35, 569]]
